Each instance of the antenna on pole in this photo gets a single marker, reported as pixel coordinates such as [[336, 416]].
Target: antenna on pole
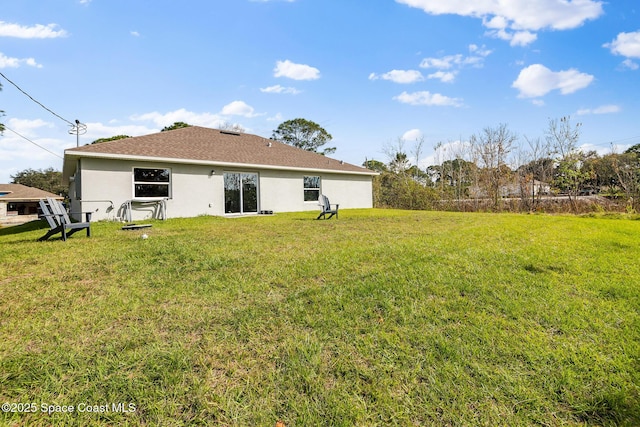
[[77, 130]]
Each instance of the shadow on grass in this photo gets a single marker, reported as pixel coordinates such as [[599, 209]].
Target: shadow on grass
[[609, 410], [23, 228]]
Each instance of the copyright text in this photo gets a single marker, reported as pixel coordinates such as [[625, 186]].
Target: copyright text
[[120, 407]]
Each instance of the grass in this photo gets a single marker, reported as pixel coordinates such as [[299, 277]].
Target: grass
[[378, 318]]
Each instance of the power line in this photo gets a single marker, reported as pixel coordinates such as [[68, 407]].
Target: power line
[[37, 145], [614, 142], [37, 102], [624, 139]]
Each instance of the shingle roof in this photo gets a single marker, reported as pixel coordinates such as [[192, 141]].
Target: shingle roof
[[204, 145], [23, 193]]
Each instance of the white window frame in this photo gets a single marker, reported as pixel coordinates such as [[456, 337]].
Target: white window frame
[[305, 188], [168, 184]]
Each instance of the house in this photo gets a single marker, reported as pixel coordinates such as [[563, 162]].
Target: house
[[526, 188], [196, 171], [521, 188], [19, 203]]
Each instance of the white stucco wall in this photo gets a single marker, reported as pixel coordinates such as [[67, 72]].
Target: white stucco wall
[[283, 191], [195, 191], [356, 192]]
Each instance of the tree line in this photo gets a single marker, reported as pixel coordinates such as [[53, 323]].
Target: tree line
[[495, 170]]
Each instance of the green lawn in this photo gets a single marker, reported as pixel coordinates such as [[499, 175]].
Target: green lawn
[[378, 318]]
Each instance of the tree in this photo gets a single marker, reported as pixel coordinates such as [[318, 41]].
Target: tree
[[231, 127], [111, 138], [375, 165], [604, 172], [303, 134], [399, 163], [634, 149], [397, 156], [457, 175], [400, 184], [620, 175], [627, 169], [493, 146], [563, 139], [176, 125], [537, 170], [48, 180]]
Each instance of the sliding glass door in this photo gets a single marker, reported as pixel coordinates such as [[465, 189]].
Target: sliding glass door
[[240, 192]]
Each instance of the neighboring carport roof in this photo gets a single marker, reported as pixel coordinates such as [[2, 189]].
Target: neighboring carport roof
[[201, 145], [19, 192]]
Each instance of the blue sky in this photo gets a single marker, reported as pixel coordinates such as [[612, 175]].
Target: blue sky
[[371, 73]]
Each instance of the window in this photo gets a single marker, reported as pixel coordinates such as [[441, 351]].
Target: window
[[151, 182], [311, 188]]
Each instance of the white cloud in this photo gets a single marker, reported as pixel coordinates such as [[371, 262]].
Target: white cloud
[[280, 89], [519, 16], [295, 71], [479, 50], [238, 108], [522, 38], [499, 28], [161, 120], [277, 118], [96, 130], [399, 76], [427, 98], [135, 33], [607, 109], [8, 62], [35, 32], [626, 44], [537, 80], [444, 63], [443, 76], [458, 61], [412, 135], [32, 63], [27, 127], [19, 150], [627, 63], [603, 109], [235, 108], [449, 65]]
